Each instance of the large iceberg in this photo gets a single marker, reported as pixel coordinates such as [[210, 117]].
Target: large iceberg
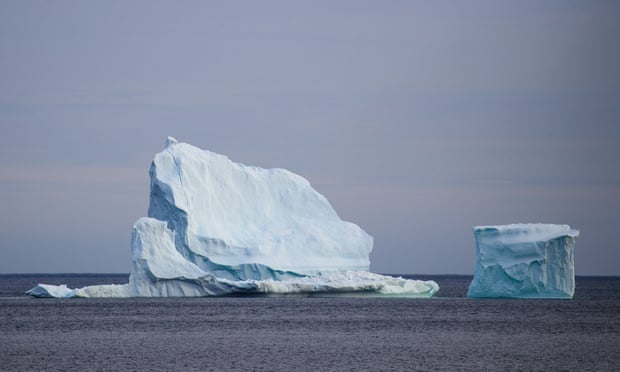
[[524, 261], [216, 227]]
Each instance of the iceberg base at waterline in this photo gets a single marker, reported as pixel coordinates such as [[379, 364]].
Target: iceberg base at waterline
[[216, 227], [348, 282]]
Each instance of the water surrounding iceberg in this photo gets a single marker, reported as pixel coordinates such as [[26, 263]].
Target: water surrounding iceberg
[[524, 261], [216, 227]]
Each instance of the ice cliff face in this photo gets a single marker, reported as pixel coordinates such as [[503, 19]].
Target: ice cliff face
[[216, 227], [240, 222], [524, 261]]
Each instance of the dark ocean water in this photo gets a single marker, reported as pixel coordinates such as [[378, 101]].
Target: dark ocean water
[[301, 333]]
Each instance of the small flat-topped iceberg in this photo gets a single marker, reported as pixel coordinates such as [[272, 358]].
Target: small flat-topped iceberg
[[524, 261], [216, 227]]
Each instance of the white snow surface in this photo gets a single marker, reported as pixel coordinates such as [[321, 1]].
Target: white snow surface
[[216, 227], [524, 261]]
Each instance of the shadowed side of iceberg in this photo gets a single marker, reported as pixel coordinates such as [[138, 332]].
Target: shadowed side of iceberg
[[159, 270], [162, 207]]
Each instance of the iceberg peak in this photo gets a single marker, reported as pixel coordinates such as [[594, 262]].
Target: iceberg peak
[[170, 141]]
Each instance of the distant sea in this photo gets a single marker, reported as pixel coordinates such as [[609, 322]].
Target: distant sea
[[308, 333]]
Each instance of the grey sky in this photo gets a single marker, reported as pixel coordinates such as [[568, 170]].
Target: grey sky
[[417, 120]]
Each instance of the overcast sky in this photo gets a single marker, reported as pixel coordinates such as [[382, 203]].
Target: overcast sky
[[417, 120]]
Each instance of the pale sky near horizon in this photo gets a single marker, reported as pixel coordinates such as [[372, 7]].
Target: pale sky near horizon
[[417, 120]]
